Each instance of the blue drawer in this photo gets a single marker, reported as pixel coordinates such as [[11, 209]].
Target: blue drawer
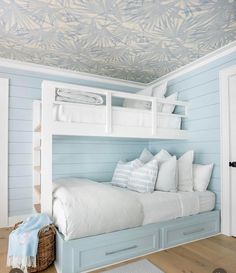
[[190, 230], [110, 253]]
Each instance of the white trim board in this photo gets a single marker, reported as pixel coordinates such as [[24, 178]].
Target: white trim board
[[49, 70], [211, 57], [4, 98], [225, 149]]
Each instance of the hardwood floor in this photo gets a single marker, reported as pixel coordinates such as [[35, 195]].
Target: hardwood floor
[[203, 256]]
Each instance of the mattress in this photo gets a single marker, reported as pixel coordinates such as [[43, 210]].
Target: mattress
[[80, 212], [121, 116]]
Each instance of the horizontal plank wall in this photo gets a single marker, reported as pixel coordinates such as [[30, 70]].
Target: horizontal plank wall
[[91, 157], [201, 88], [24, 88]]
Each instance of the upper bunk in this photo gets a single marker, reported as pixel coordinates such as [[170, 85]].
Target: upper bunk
[[76, 110]]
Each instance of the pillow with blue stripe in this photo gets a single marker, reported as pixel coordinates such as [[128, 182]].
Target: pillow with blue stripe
[[143, 179], [123, 171]]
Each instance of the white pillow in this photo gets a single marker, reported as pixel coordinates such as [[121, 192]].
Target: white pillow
[[202, 176], [162, 156], [169, 108], [159, 92], [166, 180], [123, 171], [146, 156], [143, 179], [185, 171], [146, 105]]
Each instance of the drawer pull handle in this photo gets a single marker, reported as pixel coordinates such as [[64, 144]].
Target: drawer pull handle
[[121, 250], [193, 231]]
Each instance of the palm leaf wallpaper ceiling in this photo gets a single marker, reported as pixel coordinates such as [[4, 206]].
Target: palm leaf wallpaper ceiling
[[136, 40]]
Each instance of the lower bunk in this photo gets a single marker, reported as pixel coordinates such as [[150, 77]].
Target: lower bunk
[[86, 254]]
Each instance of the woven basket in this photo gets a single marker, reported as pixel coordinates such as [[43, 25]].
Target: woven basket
[[46, 248]]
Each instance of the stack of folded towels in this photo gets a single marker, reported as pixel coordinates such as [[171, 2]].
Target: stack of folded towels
[[23, 242]]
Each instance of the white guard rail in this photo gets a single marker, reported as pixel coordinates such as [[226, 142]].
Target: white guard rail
[[109, 94]]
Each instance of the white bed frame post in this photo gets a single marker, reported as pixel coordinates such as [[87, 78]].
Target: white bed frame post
[[108, 112], [48, 93], [4, 98], [154, 116]]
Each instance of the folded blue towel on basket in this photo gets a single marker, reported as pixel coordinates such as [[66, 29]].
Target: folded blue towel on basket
[[23, 242]]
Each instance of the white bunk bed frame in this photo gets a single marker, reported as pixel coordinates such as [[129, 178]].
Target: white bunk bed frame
[[51, 127], [84, 254]]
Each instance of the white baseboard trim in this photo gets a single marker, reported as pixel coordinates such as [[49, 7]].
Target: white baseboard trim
[[18, 218]]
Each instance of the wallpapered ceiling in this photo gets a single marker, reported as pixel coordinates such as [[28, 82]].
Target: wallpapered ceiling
[[136, 40]]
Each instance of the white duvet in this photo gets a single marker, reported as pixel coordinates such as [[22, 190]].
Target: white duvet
[[84, 208]]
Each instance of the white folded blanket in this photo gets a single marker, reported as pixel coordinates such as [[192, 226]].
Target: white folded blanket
[[84, 208], [77, 96]]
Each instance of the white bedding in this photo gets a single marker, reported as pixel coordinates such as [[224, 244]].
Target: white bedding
[[163, 206], [121, 116], [84, 208]]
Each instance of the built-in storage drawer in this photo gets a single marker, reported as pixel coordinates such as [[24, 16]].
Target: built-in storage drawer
[[112, 252], [87, 253], [188, 230]]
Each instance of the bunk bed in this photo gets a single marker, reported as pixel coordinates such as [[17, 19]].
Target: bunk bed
[[55, 116]]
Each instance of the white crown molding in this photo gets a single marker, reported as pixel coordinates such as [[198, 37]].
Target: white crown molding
[[213, 56], [49, 70]]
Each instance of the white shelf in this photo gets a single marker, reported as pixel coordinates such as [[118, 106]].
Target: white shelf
[[37, 188], [37, 168], [37, 208], [37, 129], [37, 148]]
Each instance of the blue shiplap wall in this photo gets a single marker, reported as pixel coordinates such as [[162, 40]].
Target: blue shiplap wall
[[92, 158], [96, 158], [85, 156], [201, 89]]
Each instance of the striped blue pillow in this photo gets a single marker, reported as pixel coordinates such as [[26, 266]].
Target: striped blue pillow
[[123, 171], [143, 179]]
